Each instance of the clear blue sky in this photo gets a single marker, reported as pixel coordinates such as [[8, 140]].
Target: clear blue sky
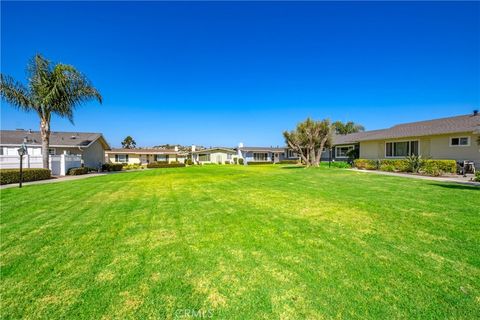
[[220, 73]]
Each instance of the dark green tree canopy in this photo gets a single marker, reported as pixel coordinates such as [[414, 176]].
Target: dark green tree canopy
[[347, 127], [129, 143]]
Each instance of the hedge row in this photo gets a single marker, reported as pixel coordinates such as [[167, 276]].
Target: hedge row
[[165, 165], [288, 162], [425, 166], [78, 171], [112, 167], [259, 163], [13, 175], [477, 176]]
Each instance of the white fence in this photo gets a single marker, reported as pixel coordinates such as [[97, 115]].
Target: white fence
[[59, 165]]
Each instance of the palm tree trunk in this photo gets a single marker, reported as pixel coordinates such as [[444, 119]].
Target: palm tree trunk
[[45, 133]]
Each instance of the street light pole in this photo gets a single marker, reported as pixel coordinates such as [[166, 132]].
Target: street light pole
[[21, 152]]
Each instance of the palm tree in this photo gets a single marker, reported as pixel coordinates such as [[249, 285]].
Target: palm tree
[[348, 127], [52, 89]]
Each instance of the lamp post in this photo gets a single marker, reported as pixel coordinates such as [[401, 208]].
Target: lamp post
[[21, 152]]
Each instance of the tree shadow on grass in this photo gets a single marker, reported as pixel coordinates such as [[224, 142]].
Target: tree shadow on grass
[[293, 167], [458, 186]]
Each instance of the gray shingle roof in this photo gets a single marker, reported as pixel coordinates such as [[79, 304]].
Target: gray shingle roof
[[458, 124], [57, 139], [210, 150]]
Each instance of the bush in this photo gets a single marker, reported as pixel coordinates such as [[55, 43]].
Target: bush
[[366, 164], [438, 167], [387, 167], [133, 166], [13, 175], [477, 176], [240, 161], [399, 165], [259, 163], [340, 164], [77, 171], [165, 165], [112, 167], [288, 162], [189, 162]]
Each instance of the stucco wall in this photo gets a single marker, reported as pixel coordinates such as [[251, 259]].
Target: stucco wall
[[435, 147], [217, 157]]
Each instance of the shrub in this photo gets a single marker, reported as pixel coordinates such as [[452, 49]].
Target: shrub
[[288, 162], [165, 165], [259, 163], [189, 162], [13, 175], [340, 164], [77, 171], [387, 167], [477, 176], [414, 163], [400, 165], [438, 167], [240, 161], [365, 164], [133, 166], [112, 167]]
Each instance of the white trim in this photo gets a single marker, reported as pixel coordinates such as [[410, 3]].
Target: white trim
[[459, 145], [409, 148], [343, 146]]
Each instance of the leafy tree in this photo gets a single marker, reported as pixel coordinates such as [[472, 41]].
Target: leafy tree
[[308, 140], [348, 127], [129, 143], [52, 89]]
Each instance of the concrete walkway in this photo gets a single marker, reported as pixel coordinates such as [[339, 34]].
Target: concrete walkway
[[456, 178]]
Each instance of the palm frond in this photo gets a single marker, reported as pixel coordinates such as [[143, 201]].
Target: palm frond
[[15, 93]]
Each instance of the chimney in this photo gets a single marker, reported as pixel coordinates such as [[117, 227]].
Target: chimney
[[176, 148], [193, 148], [240, 144], [475, 112]]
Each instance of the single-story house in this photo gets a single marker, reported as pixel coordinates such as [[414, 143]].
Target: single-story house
[[219, 155], [453, 138], [265, 154], [90, 146], [145, 156]]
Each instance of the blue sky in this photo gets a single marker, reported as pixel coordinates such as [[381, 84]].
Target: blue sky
[[220, 73]]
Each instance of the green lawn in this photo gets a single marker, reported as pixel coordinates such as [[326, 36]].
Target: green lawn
[[237, 242]]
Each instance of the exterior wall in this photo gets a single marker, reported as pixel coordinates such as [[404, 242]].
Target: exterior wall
[[216, 157], [248, 156], [94, 156], [434, 147], [144, 158]]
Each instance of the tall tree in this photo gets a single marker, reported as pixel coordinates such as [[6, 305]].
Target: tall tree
[[129, 143], [348, 127], [52, 89], [308, 140]]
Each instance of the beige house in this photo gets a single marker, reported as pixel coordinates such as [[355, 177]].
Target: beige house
[[453, 138], [90, 147], [216, 155], [145, 156]]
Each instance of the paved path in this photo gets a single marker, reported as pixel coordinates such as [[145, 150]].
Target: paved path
[[455, 179]]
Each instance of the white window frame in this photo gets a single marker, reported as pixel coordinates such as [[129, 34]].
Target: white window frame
[[265, 154], [54, 153], [459, 145], [409, 148], [350, 146], [123, 155]]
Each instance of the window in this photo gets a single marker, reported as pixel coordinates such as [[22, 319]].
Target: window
[[401, 149], [204, 157], [291, 154], [122, 158], [460, 142], [229, 156], [161, 157], [260, 156], [52, 151], [342, 152]]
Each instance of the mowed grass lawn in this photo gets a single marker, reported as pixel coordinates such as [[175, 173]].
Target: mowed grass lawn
[[237, 242]]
